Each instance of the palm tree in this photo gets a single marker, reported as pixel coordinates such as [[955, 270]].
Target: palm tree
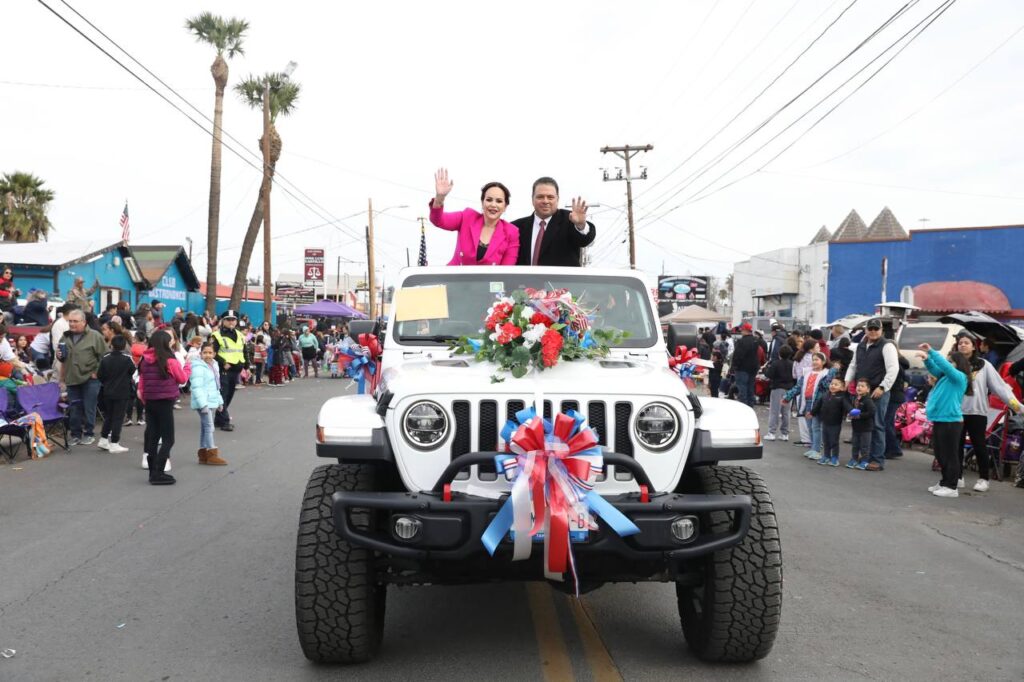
[[25, 204], [226, 36], [284, 93]]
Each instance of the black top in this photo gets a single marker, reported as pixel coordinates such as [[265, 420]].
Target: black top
[[780, 373], [481, 250], [560, 244], [744, 354], [832, 408], [865, 421], [870, 362], [115, 374]]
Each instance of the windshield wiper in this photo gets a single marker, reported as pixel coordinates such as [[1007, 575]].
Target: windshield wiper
[[436, 338]]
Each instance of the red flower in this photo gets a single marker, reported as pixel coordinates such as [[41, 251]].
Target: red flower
[[507, 332], [540, 318], [550, 347], [498, 315]]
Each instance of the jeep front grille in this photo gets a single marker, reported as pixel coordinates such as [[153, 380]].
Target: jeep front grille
[[461, 439]]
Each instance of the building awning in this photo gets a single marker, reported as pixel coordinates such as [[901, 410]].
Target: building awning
[[946, 297], [153, 262]]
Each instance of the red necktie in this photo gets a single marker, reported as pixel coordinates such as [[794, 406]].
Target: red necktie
[[540, 238]]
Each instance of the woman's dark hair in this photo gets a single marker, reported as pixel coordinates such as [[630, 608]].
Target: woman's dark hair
[[118, 343], [259, 338], [844, 342], [17, 341], [964, 365], [160, 342], [503, 188], [809, 345], [140, 336], [817, 335], [786, 352], [207, 344]]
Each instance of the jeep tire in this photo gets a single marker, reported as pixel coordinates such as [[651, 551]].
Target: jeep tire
[[734, 614], [339, 607]]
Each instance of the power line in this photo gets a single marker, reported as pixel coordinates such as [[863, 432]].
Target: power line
[[751, 102], [926, 22]]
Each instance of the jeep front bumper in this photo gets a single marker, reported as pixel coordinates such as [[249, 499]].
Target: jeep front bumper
[[450, 524]]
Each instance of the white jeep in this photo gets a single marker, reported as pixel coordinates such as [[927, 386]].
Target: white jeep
[[415, 484]]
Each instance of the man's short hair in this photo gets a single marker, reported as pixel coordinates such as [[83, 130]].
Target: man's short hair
[[544, 181], [118, 343], [76, 312]]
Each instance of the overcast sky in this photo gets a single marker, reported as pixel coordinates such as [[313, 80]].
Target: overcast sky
[[511, 91]]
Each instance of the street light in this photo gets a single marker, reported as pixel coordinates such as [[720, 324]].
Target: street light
[[267, 286], [371, 298]]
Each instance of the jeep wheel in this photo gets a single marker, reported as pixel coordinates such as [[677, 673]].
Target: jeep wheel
[[734, 614], [339, 607]]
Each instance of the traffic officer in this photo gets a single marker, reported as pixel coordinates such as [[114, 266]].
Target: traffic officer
[[229, 346]]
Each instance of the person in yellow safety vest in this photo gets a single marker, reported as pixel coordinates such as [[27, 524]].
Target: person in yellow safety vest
[[229, 345]]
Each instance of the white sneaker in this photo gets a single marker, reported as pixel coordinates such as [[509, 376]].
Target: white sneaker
[[960, 484], [933, 488], [145, 462], [981, 486], [784, 437], [167, 467], [945, 492], [103, 444], [770, 436], [117, 448]]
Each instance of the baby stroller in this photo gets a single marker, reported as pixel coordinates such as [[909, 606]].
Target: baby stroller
[[1003, 443], [912, 424]]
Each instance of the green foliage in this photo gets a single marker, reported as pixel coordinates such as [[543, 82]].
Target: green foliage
[[224, 34], [24, 204], [284, 92]]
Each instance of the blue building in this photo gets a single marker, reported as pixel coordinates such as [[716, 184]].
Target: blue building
[[964, 268], [135, 274]]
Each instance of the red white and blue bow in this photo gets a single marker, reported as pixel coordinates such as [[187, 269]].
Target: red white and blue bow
[[552, 467], [686, 363], [362, 363]]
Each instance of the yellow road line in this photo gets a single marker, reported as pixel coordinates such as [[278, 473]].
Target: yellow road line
[[602, 667], [554, 655]]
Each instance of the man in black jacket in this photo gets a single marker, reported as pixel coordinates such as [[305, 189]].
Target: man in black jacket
[[552, 235], [745, 363]]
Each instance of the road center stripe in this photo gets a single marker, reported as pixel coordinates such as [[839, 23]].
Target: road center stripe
[[554, 655], [602, 667]]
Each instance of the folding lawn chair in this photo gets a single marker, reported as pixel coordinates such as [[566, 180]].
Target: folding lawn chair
[[11, 431], [44, 399]]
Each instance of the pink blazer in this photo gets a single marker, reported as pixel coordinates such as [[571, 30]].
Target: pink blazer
[[502, 250]]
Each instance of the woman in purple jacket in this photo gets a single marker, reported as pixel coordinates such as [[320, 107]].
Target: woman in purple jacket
[[160, 376], [484, 238]]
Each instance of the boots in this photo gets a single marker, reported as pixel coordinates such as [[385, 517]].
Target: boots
[[202, 453], [213, 457], [156, 471]]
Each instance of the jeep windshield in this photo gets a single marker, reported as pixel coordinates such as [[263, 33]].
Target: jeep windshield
[[612, 302]]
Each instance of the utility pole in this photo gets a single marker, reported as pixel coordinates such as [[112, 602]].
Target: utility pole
[[337, 283], [627, 152], [371, 297], [267, 297]]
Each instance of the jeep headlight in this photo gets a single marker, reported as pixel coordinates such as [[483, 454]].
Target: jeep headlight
[[425, 425], [656, 426]]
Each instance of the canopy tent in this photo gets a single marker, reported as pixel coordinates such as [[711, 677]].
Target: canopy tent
[[327, 308], [695, 313]]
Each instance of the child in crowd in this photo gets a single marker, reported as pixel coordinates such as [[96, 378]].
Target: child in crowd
[[809, 388], [831, 410], [206, 399], [779, 373], [862, 417], [715, 373], [160, 375], [115, 375], [945, 411], [259, 357], [195, 345]]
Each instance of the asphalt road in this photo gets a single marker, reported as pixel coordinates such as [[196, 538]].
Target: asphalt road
[[103, 577]]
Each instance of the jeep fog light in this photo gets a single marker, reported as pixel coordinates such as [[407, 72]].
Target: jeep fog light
[[425, 425], [407, 527], [656, 426], [684, 528]]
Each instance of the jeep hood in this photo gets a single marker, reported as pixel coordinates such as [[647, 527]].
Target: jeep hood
[[462, 375]]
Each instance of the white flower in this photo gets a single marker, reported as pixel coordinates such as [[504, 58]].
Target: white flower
[[533, 334], [493, 336]]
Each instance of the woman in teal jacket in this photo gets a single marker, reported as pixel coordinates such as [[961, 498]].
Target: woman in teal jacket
[[206, 400], [943, 410]]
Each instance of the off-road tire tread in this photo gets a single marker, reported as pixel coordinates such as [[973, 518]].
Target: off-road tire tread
[[339, 608], [740, 622]]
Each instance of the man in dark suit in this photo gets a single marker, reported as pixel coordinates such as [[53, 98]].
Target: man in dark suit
[[552, 235]]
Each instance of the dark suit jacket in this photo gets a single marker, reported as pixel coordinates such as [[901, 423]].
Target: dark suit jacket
[[561, 244]]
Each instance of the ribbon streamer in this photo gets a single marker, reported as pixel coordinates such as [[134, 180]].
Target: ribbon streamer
[[552, 466], [362, 363]]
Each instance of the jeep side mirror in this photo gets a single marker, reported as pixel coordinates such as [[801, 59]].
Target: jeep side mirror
[[357, 327]]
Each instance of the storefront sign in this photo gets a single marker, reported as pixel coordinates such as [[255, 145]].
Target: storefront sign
[[168, 290], [314, 267]]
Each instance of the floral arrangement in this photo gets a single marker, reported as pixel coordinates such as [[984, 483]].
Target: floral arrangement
[[536, 328]]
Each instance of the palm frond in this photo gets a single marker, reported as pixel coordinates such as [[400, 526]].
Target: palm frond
[[223, 34], [284, 92]]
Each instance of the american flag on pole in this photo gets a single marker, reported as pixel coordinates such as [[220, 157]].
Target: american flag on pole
[[422, 260], [124, 223]]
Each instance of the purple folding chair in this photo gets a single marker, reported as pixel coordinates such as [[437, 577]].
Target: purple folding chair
[[44, 399], [11, 431]]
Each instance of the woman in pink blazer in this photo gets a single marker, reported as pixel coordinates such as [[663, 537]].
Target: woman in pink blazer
[[484, 238]]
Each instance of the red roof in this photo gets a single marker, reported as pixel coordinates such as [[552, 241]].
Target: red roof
[[224, 291], [943, 297]]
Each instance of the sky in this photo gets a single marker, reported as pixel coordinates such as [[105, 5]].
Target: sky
[[512, 91]]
